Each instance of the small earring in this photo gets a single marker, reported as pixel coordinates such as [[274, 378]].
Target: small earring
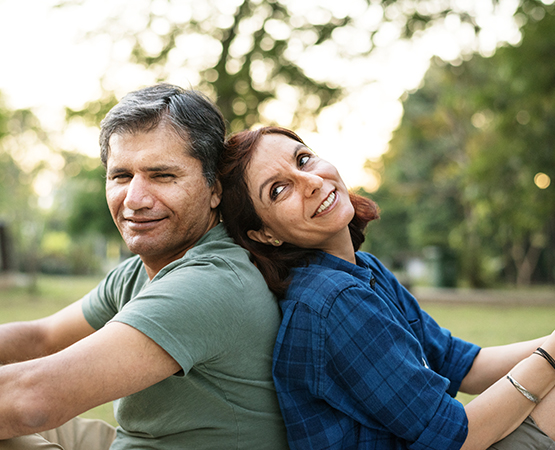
[[276, 241]]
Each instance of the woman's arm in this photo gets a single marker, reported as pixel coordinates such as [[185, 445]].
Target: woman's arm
[[492, 363], [501, 408]]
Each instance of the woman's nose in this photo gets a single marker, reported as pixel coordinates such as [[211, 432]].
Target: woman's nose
[[312, 183], [138, 195]]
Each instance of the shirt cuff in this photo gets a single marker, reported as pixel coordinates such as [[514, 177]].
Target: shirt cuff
[[447, 430]]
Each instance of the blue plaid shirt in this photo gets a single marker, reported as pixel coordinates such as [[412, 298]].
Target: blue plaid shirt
[[358, 364]]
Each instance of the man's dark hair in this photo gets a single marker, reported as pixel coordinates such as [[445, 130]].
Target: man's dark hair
[[191, 115]]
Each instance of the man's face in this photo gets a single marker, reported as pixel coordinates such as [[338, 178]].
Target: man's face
[[158, 196]]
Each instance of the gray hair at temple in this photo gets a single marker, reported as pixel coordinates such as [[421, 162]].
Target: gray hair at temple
[[192, 116]]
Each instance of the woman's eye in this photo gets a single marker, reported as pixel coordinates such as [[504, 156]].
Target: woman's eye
[[303, 160], [276, 191]]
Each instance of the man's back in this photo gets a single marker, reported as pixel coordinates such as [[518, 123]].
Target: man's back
[[212, 312]]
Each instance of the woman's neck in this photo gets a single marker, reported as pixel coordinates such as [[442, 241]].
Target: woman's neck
[[341, 246]]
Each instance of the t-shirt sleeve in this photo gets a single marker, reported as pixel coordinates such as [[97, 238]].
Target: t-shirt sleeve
[[102, 303], [374, 370], [191, 312]]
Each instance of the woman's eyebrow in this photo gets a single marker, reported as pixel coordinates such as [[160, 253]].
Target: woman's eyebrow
[[263, 185], [297, 149], [271, 179]]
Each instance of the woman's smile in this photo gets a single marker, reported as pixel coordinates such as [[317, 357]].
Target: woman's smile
[[325, 204]]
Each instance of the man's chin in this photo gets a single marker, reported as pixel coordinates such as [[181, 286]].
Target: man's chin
[[142, 246]]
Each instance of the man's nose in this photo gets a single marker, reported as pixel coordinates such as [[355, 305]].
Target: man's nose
[[312, 183], [138, 195]]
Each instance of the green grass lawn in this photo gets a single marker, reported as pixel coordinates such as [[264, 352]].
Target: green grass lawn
[[484, 325], [488, 325]]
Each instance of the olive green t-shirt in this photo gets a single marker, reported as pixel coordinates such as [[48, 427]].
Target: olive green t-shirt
[[213, 313]]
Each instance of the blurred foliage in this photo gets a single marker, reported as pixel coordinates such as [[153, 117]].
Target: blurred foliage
[[460, 174], [19, 213], [248, 54], [243, 53], [80, 222], [85, 192]]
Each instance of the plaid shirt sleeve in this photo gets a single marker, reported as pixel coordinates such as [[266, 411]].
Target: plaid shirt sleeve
[[351, 370], [447, 355]]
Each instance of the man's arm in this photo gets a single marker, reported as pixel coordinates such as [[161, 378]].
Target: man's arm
[[44, 393], [21, 341]]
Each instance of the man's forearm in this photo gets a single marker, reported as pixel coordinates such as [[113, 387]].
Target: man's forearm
[[44, 393], [21, 411], [20, 341]]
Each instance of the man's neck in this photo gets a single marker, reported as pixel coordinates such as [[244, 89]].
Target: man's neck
[[155, 263]]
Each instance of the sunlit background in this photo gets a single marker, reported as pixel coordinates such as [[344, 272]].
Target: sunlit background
[[56, 58], [462, 194]]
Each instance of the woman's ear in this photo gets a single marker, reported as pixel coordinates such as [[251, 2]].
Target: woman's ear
[[263, 237]]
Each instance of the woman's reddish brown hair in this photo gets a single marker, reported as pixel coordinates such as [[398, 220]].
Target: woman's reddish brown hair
[[239, 215]]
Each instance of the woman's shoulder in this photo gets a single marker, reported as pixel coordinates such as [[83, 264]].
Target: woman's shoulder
[[317, 286]]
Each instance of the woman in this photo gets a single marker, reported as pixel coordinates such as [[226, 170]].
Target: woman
[[357, 363]]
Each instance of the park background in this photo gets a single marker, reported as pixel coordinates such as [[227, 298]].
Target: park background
[[442, 111]]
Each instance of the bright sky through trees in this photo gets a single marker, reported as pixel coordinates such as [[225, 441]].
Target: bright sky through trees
[[49, 62]]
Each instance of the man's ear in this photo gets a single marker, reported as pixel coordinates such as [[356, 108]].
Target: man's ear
[[216, 194], [264, 237]]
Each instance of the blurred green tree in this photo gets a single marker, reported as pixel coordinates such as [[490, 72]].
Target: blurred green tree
[[462, 171], [21, 219], [246, 53], [81, 211]]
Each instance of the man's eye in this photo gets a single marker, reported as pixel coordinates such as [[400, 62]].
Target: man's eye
[[276, 191], [121, 177]]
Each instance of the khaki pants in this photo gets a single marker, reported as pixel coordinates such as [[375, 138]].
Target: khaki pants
[[527, 436], [77, 434]]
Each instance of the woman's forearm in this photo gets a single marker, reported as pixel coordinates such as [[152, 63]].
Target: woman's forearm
[[493, 363], [501, 408]]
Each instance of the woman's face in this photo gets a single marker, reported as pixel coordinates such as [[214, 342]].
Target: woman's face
[[300, 198]]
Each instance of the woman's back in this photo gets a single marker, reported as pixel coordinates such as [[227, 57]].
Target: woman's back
[[359, 361]]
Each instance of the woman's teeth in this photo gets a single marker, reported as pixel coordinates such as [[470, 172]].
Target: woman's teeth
[[326, 203]]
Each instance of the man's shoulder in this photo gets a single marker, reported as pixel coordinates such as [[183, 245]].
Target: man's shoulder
[[216, 266], [217, 250], [129, 270], [216, 243]]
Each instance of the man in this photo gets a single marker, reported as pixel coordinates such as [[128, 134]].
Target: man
[[182, 334]]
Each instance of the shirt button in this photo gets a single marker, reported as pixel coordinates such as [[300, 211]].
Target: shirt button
[[372, 282]]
